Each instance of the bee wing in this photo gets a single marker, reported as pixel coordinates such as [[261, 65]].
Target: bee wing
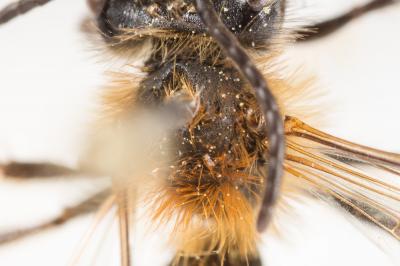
[[363, 179]]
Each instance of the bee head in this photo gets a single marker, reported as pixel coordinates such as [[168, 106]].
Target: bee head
[[250, 23]]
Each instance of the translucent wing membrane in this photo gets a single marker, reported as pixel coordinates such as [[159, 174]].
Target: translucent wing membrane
[[364, 180]]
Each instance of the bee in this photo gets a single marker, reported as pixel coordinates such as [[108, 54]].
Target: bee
[[222, 165]]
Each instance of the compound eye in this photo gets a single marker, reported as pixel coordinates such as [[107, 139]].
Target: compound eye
[[96, 6]]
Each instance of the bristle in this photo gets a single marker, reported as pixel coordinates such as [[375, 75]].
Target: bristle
[[224, 223], [103, 210], [118, 98]]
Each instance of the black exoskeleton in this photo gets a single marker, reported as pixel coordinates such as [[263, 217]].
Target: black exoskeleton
[[252, 28]]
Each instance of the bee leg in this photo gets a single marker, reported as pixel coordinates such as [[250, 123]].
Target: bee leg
[[19, 8], [215, 260], [33, 170], [328, 27], [87, 206]]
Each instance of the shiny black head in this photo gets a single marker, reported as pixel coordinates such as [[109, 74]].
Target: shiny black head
[[252, 26]]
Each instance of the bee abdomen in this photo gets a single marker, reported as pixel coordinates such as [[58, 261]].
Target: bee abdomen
[[215, 174]]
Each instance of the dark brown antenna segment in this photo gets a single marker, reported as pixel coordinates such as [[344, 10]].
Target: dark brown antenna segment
[[268, 105]]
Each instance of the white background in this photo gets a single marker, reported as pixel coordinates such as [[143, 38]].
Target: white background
[[49, 79]]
